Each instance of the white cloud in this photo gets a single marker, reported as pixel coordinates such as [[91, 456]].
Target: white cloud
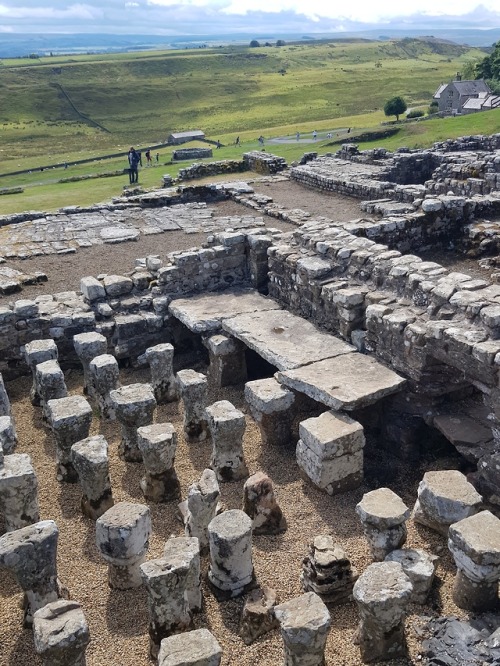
[[77, 11], [359, 10]]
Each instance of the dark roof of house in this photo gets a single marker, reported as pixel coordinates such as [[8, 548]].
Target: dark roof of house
[[471, 87]]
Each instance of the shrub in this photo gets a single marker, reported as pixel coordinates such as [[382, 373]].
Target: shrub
[[415, 114]]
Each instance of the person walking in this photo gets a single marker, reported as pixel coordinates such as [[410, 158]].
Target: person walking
[[237, 142], [218, 144], [133, 163], [148, 157], [315, 135], [297, 136], [157, 157]]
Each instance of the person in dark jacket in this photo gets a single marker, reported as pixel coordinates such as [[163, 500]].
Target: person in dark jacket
[[133, 162]]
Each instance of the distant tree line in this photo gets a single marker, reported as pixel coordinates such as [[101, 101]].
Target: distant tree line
[[255, 43]]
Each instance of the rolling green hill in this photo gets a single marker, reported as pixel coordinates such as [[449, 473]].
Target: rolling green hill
[[51, 107]]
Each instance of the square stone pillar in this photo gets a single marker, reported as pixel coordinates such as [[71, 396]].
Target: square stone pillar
[[91, 462], [18, 492], [228, 364], [70, 419], [37, 352], [227, 427], [104, 376], [61, 634], [160, 359], [330, 452], [87, 347], [194, 392], [383, 515], [134, 406], [50, 384], [272, 407], [158, 443]]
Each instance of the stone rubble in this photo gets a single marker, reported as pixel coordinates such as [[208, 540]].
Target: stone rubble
[[61, 634], [259, 503], [258, 617], [327, 571]]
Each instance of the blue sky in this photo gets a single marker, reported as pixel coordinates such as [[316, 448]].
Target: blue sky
[[174, 17]]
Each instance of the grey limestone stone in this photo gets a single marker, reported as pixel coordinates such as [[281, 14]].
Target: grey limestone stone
[[383, 515], [194, 391], [8, 437], [92, 289], [70, 419], [104, 377], [31, 554], [202, 502], [445, 497], [192, 648], [227, 427], [187, 549], [91, 462], [122, 538], [158, 444], [272, 407], [304, 623], [87, 347], [50, 384], [61, 633], [18, 492], [134, 406], [160, 359], [259, 502], [35, 352], [420, 568], [230, 539], [382, 594]]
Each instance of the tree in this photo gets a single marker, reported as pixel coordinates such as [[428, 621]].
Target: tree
[[280, 42], [254, 43], [395, 107]]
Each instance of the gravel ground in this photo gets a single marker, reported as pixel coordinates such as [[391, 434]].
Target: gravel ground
[[118, 619]]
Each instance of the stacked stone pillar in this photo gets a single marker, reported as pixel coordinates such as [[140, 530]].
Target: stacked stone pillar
[[18, 491], [165, 581], [160, 359], [327, 571], [50, 384], [382, 593], [122, 537], [134, 406], [87, 347], [193, 388], [383, 515], [91, 462], [37, 352], [231, 567], [157, 444], [31, 554], [202, 502], [272, 407], [227, 427], [227, 361], [304, 624], [474, 543], [330, 452], [70, 419], [187, 549], [104, 377], [61, 634]]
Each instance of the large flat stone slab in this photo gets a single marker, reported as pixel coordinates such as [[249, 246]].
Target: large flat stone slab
[[204, 313], [470, 438], [345, 382], [284, 339]]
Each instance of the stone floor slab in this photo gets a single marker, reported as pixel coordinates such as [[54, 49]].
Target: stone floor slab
[[284, 339], [346, 382], [205, 312]]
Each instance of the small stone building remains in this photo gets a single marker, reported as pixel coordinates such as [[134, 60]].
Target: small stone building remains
[[176, 138]]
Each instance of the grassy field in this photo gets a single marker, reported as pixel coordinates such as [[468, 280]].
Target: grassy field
[[50, 107]]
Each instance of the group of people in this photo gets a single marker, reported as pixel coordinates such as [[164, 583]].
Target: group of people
[[135, 160]]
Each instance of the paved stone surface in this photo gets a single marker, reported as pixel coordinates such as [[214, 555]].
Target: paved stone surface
[[349, 381], [205, 312], [284, 339]]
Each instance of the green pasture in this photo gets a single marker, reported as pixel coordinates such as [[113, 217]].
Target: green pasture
[[140, 98]]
